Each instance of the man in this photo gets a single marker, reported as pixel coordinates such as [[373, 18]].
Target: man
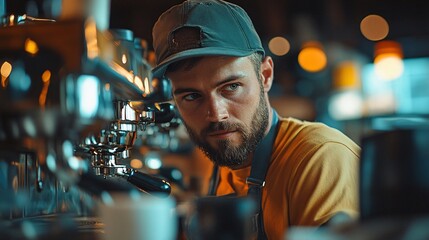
[[221, 77]]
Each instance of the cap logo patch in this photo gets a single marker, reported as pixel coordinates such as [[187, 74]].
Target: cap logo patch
[[185, 38]]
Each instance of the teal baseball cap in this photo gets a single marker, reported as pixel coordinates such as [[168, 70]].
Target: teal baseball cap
[[202, 28]]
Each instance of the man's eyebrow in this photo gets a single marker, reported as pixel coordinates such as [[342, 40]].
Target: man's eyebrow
[[184, 90], [226, 80], [231, 78]]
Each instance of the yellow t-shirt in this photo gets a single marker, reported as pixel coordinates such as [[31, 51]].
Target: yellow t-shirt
[[313, 174]]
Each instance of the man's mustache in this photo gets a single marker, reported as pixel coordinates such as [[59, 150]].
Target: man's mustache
[[220, 126]]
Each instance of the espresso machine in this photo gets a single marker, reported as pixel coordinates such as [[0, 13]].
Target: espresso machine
[[73, 100], [108, 147]]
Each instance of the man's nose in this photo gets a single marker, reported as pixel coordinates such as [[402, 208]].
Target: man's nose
[[217, 110]]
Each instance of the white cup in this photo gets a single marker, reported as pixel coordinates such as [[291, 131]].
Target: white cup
[[144, 217]]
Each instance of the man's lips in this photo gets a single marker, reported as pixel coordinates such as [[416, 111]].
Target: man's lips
[[221, 133]]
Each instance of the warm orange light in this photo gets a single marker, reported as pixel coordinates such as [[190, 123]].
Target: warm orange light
[[151, 58], [279, 46], [388, 60], [91, 38], [46, 78], [138, 82], [147, 89], [3, 81], [136, 163], [388, 66], [312, 58], [388, 46], [122, 71], [374, 27], [5, 70], [12, 19], [346, 76], [31, 46]]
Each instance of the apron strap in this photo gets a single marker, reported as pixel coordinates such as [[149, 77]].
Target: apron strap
[[214, 181], [256, 180]]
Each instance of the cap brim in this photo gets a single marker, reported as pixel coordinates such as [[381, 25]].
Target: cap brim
[[159, 70]]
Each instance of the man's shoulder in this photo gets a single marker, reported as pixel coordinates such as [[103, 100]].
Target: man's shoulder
[[313, 133], [294, 126]]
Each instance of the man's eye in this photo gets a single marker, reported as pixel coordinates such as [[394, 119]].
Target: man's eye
[[233, 86], [191, 96]]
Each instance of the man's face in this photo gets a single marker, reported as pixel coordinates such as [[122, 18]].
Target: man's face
[[222, 104]]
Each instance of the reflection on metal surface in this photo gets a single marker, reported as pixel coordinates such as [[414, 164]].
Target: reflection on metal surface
[[147, 86], [138, 82], [124, 59], [91, 39], [46, 78], [31, 47], [49, 102], [28, 189], [89, 88], [122, 71], [5, 70]]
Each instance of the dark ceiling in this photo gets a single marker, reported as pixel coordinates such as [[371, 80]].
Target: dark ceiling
[[328, 20], [332, 22], [324, 20]]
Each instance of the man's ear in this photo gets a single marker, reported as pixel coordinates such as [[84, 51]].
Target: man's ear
[[267, 72]]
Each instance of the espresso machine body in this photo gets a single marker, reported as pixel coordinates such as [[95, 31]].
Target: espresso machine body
[[73, 100]]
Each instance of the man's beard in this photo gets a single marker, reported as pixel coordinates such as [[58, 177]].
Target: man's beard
[[226, 154]]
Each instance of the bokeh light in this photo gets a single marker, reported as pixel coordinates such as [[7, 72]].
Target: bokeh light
[[374, 27], [389, 66], [136, 163], [46, 76], [5, 70], [46, 79], [89, 89], [279, 46], [346, 75], [388, 60], [138, 82], [312, 58], [346, 105], [31, 46]]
